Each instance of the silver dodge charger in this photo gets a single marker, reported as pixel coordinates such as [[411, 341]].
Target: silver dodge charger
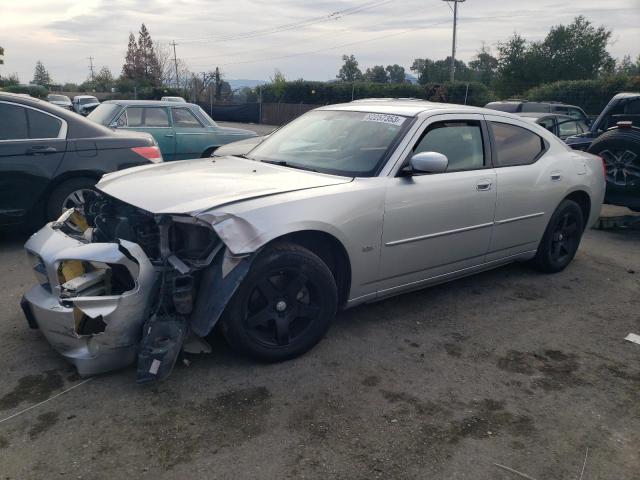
[[347, 204]]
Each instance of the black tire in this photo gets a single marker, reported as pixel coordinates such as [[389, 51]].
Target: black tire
[[620, 150], [284, 305], [561, 238], [58, 198]]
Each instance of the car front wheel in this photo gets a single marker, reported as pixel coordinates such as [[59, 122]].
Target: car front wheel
[[561, 238], [284, 305]]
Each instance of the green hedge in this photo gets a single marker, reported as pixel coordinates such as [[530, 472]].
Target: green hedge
[[322, 93], [37, 91], [591, 95]]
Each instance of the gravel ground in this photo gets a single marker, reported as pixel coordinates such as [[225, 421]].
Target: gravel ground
[[510, 366]]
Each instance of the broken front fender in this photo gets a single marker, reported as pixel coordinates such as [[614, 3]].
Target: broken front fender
[[96, 333]]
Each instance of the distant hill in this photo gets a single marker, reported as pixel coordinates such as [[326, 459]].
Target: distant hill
[[243, 82]]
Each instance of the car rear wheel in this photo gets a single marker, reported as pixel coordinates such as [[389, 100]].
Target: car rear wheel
[[561, 238], [283, 307], [71, 193]]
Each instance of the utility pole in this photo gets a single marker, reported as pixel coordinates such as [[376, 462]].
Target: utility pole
[[175, 62], [452, 71], [91, 68]]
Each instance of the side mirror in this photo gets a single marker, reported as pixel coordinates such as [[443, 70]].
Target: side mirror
[[429, 162]]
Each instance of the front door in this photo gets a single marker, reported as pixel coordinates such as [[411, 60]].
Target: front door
[[32, 145], [153, 120], [441, 223], [192, 137]]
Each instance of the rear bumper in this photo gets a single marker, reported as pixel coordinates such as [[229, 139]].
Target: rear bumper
[[123, 315]]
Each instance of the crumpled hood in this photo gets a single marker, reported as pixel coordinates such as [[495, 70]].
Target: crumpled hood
[[191, 186]]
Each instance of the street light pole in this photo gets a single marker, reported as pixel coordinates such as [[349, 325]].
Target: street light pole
[[452, 70]]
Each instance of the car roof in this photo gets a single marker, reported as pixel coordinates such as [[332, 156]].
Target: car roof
[[405, 106], [537, 115], [85, 96], [148, 103]]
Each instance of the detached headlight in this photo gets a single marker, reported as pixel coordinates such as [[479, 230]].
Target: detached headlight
[[93, 279]]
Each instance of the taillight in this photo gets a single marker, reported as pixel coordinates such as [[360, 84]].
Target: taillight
[[152, 154], [604, 167]]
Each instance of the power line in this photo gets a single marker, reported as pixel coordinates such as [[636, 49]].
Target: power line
[[290, 26]]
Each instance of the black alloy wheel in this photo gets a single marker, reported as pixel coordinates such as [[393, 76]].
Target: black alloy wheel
[[284, 305], [281, 307], [561, 238]]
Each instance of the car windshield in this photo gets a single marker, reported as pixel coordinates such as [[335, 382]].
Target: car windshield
[[206, 118], [338, 142], [58, 98], [84, 101], [104, 113]]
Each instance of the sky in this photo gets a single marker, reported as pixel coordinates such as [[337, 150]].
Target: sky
[[249, 39]]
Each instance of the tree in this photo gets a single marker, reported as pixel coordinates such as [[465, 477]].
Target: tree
[[484, 65], [279, 84], [41, 75], [572, 52], [438, 71], [377, 74], [349, 72], [627, 67], [166, 64], [103, 81], [10, 80], [149, 65], [512, 73], [1, 55], [141, 65], [130, 69], [396, 73]]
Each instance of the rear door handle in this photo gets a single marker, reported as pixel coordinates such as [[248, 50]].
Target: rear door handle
[[40, 150], [483, 185]]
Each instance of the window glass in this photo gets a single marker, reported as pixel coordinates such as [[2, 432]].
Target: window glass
[[338, 142], [134, 117], [503, 107], [13, 122], [568, 127], [461, 142], [583, 127], [183, 118], [515, 145], [87, 100], [546, 123], [632, 108], [535, 107], [42, 125], [575, 113], [156, 117]]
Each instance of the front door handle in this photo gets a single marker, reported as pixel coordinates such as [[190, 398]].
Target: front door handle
[[483, 185], [40, 150], [169, 136], [556, 176]]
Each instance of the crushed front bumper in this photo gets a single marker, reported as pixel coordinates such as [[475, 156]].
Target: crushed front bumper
[[123, 315]]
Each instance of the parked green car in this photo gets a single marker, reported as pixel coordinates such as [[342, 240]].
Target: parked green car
[[182, 130]]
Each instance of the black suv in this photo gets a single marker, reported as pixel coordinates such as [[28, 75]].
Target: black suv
[[615, 136], [524, 106], [50, 158]]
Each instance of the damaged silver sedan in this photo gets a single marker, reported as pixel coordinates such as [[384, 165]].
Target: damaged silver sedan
[[347, 204]]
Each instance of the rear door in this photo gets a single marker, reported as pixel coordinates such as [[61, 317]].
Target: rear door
[[32, 145], [192, 137], [153, 120], [530, 183]]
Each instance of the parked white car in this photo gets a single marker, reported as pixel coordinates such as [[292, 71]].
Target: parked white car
[[347, 204]]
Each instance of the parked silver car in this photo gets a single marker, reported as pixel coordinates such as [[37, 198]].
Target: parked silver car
[[345, 205]]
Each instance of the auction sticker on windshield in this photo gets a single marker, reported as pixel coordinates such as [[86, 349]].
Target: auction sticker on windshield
[[384, 118]]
